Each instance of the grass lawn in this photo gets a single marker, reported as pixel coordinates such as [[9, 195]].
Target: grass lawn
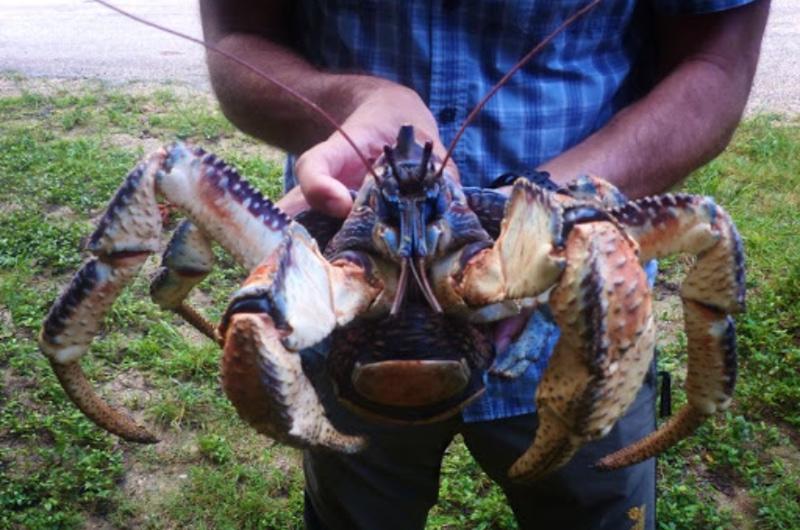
[[64, 149]]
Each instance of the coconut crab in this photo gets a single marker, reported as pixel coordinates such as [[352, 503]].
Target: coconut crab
[[401, 287], [422, 259]]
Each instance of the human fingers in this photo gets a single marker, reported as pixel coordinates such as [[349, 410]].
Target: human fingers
[[317, 171], [293, 202]]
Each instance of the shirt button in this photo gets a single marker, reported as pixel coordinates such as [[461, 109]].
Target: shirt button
[[447, 115]]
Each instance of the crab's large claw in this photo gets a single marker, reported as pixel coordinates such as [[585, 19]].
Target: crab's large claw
[[602, 303], [603, 307], [224, 208], [292, 300]]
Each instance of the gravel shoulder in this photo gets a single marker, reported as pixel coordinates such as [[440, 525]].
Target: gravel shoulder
[[69, 39]]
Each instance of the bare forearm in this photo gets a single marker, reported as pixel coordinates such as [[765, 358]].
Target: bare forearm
[[688, 118], [264, 110], [656, 142]]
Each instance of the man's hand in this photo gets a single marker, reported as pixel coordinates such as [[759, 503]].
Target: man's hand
[[370, 109], [326, 171]]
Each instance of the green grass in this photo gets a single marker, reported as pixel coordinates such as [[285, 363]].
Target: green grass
[[64, 151]]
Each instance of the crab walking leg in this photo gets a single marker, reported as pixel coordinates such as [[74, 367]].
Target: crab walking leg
[[602, 302], [293, 300], [187, 260], [712, 291], [126, 235]]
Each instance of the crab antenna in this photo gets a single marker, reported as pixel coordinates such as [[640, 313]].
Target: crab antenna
[[402, 283], [260, 73], [522, 62], [426, 287], [426, 158]]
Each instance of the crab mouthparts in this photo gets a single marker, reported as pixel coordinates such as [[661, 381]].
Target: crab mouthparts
[[417, 268]]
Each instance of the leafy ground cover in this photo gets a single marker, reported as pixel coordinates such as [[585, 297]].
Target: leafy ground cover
[[64, 149]]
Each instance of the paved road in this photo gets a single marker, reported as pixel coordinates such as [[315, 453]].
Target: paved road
[[82, 39], [79, 39]]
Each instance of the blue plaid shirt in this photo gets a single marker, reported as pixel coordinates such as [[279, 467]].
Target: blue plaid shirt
[[451, 52]]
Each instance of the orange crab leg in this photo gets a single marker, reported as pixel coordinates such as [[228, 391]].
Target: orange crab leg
[[712, 291]]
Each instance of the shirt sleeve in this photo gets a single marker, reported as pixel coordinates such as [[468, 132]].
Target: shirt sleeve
[[696, 7]]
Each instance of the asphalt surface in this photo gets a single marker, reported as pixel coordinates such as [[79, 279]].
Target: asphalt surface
[[80, 39]]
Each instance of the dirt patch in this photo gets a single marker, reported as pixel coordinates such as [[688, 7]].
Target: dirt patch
[[730, 494], [60, 213], [19, 388], [129, 141], [724, 479], [15, 85], [12, 85], [668, 312], [8, 209], [740, 504], [131, 390], [6, 319], [96, 523], [790, 455], [9, 87]]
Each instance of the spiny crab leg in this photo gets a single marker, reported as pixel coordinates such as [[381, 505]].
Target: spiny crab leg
[[127, 234], [713, 289], [226, 209]]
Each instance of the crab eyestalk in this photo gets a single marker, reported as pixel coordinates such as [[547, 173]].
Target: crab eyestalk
[[410, 190]]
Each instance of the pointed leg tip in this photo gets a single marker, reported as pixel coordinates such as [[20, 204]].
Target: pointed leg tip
[[144, 437], [520, 475], [354, 444], [603, 465], [531, 469]]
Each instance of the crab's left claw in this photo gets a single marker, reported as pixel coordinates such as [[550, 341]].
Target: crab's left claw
[[267, 386], [603, 303]]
